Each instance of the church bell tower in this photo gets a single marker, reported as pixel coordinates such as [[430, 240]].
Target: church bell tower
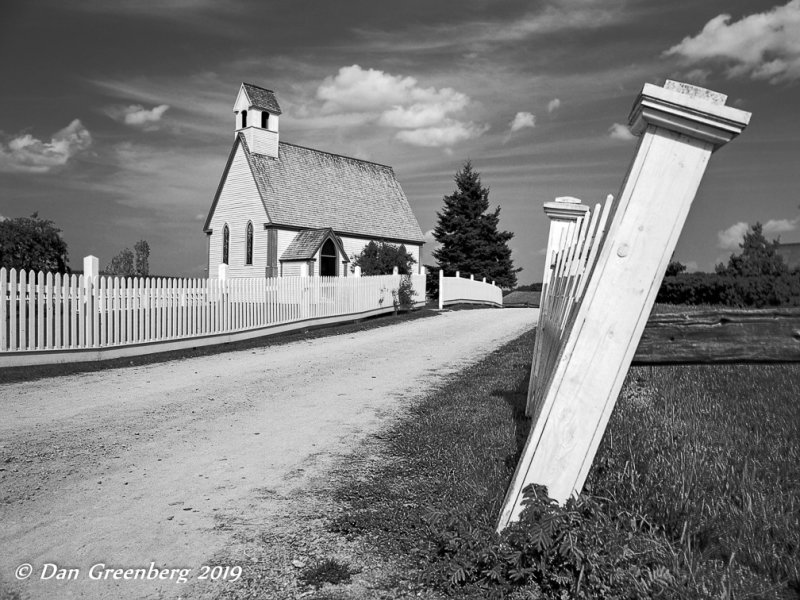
[[256, 114]]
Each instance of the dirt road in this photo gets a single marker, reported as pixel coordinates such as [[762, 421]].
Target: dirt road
[[133, 468]]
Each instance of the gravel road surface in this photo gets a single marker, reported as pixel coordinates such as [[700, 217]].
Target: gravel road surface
[[135, 468]]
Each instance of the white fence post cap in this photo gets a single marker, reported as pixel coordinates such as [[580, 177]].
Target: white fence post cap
[[91, 266], [222, 271]]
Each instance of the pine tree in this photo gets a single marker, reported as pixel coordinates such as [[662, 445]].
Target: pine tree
[[759, 257], [468, 234]]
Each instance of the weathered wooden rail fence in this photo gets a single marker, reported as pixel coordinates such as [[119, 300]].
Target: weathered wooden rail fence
[[604, 282], [47, 318], [460, 290]]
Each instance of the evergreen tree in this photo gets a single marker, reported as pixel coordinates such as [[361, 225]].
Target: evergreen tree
[[142, 260], [759, 257], [468, 234]]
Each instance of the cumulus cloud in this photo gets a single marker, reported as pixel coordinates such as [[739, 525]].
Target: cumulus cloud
[[553, 105], [425, 116], [775, 227], [137, 115], [523, 120], [618, 131], [730, 238], [27, 154], [447, 134], [762, 45]]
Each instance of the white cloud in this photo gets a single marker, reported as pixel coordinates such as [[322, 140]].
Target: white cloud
[[137, 115], [523, 120], [448, 134], [28, 154], [553, 105], [620, 132], [691, 266], [428, 237], [775, 227], [762, 46], [730, 238], [426, 116]]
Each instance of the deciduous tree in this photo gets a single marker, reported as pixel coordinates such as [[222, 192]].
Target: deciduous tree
[[32, 243], [380, 258]]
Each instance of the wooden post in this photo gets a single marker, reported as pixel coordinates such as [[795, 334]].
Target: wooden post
[[562, 212], [441, 287], [680, 126]]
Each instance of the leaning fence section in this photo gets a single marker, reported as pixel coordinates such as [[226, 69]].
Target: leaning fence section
[[54, 312], [571, 255], [460, 290]]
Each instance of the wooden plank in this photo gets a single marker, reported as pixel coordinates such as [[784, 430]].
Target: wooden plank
[[13, 305], [721, 336], [3, 310]]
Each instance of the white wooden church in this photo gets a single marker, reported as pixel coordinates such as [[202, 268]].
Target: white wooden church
[[282, 209]]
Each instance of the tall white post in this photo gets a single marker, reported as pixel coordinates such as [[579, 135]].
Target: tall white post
[[441, 288], [356, 271], [680, 125], [395, 271], [222, 272]]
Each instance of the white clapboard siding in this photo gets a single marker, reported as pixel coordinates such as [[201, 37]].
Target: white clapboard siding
[[46, 312], [239, 203], [461, 290]]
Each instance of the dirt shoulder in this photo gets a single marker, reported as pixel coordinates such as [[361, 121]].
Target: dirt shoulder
[[169, 463]]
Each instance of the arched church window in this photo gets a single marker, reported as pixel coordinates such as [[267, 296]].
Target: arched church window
[[265, 120], [327, 259], [226, 238], [248, 255], [244, 119]]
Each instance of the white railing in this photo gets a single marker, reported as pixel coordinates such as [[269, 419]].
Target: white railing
[[458, 290], [49, 312]]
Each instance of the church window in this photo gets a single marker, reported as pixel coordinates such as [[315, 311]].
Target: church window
[[244, 119], [265, 120], [248, 260], [226, 238]]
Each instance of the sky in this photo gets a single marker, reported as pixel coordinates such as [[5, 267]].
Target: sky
[[116, 116]]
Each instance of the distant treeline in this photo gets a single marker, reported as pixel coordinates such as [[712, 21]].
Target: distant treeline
[[757, 277]]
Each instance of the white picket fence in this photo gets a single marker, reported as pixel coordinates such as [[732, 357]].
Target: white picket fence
[[458, 290], [50, 312], [571, 255]]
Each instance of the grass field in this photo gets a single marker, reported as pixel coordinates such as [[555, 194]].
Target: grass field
[[694, 493]]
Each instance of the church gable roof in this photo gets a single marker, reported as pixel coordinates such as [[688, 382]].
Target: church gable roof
[[262, 98], [311, 189], [307, 243]]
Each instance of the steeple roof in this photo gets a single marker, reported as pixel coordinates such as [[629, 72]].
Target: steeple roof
[[262, 98]]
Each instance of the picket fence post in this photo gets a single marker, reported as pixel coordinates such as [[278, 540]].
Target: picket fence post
[[680, 126]]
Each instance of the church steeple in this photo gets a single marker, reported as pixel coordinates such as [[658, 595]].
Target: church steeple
[[256, 113]]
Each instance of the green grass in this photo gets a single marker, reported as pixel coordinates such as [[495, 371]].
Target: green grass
[[694, 493]]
